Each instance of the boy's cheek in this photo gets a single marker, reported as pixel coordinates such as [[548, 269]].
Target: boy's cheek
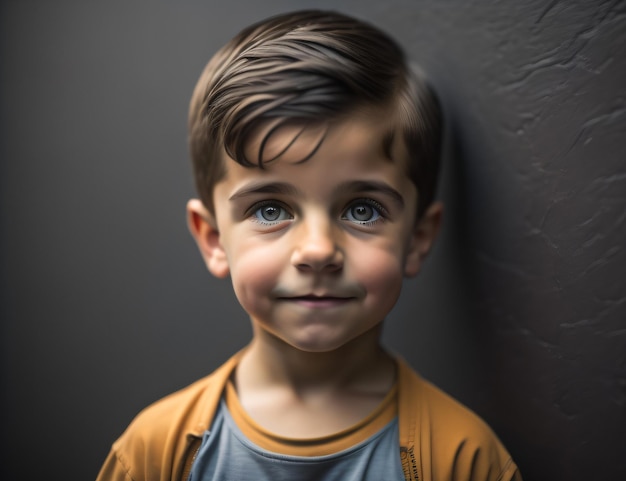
[[382, 274], [255, 272]]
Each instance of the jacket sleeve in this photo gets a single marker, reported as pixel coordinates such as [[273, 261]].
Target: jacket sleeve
[[113, 470], [152, 448], [510, 473], [486, 460]]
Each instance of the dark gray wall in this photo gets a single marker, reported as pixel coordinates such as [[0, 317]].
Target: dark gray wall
[[106, 306]]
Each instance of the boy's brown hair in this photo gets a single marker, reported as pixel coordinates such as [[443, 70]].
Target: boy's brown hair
[[308, 67]]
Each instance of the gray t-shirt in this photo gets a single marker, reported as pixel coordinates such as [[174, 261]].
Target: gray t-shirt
[[227, 455]]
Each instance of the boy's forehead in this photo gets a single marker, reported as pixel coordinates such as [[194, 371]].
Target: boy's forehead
[[290, 142], [368, 133]]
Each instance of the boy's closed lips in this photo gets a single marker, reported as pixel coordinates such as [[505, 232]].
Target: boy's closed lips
[[318, 302], [319, 298]]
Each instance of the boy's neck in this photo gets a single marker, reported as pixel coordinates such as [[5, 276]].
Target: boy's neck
[[302, 394]]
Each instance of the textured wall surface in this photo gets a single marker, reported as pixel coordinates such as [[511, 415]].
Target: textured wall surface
[[106, 306]]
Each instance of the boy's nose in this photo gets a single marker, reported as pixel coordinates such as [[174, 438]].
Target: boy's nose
[[317, 248]]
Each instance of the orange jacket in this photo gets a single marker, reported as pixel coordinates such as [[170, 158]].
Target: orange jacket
[[440, 440]]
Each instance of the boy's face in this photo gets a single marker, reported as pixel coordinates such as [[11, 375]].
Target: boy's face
[[317, 250]]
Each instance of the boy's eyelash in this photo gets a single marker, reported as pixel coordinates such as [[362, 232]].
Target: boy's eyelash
[[382, 211], [379, 207], [263, 203]]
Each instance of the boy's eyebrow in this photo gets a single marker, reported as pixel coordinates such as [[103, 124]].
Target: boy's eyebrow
[[265, 188], [374, 186], [284, 188]]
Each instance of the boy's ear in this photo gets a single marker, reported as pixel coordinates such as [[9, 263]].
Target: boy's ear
[[424, 234], [203, 228]]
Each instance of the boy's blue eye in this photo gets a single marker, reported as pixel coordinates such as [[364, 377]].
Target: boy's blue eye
[[271, 212], [363, 212]]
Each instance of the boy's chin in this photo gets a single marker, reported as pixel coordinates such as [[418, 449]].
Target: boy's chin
[[326, 343]]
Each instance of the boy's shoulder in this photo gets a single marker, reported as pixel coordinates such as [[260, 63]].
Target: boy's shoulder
[[159, 437], [444, 436], [189, 407], [434, 405]]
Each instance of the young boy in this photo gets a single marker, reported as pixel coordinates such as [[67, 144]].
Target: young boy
[[315, 151]]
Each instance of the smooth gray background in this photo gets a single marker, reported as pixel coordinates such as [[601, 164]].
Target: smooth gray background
[[106, 305]]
